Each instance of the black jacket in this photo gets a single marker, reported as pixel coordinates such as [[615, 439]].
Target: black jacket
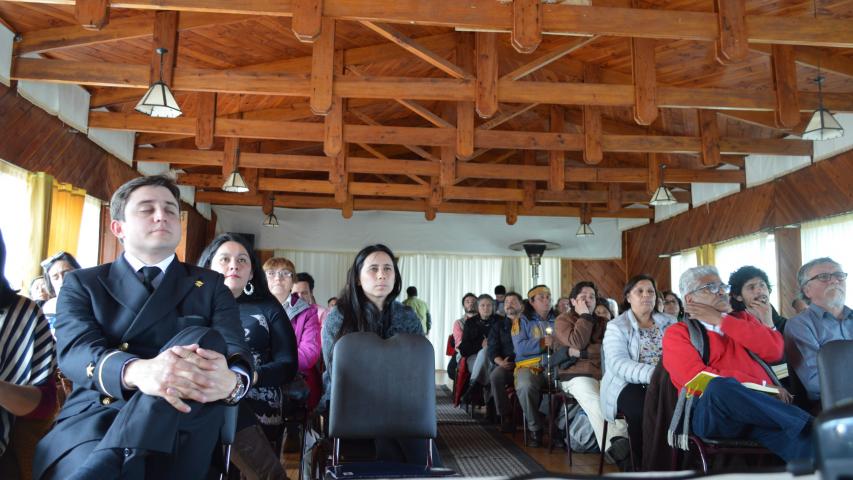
[[500, 340], [476, 329]]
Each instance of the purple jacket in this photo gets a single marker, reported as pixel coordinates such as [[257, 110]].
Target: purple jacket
[[306, 325]]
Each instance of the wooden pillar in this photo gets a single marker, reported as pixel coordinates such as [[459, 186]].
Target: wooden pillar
[[789, 258]]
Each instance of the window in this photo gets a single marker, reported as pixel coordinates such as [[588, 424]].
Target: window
[[90, 233], [758, 250], [15, 224], [678, 264], [829, 237]]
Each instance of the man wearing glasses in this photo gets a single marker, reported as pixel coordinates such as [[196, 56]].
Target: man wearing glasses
[[823, 283], [736, 348]]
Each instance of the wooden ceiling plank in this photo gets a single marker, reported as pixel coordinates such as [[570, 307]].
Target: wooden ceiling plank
[[731, 24], [592, 129], [435, 193], [785, 83], [447, 167], [333, 124], [155, 138], [339, 177], [487, 74], [166, 37], [308, 20], [709, 132], [507, 114], [557, 158], [614, 197], [645, 81], [206, 120], [551, 57], [412, 46], [295, 186], [92, 14], [323, 68], [528, 200], [354, 130], [526, 25]]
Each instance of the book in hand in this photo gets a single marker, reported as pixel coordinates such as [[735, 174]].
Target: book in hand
[[699, 383]]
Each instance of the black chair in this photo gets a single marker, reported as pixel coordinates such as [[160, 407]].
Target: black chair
[[226, 437], [833, 361], [383, 389]]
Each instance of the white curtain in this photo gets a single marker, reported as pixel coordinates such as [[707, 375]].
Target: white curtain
[[90, 235], [441, 281], [15, 224], [830, 237], [678, 264], [758, 250]]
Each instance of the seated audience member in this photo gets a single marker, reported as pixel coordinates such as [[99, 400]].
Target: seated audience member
[[38, 291], [798, 304], [367, 304], [475, 338], [331, 302], [564, 305], [303, 319], [155, 350], [750, 291], [419, 306], [500, 295], [823, 284], [602, 309], [530, 341], [672, 305], [502, 355], [739, 347], [303, 285], [55, 268], [631, 350], [270, 338], [582, 331], [27, 361], [469, 305]]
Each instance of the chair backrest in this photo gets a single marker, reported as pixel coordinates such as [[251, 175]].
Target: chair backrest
[[382, 388], [833, 363]]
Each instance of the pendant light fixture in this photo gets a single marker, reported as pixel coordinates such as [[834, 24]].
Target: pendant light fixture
[[235, 183], [823, 125], [662, 196], [158, 101], [271, 220], [585, 230]]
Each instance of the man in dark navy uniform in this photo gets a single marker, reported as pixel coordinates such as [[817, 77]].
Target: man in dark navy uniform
[[154, 348]]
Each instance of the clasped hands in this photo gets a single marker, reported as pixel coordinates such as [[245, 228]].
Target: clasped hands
[[182, 373]]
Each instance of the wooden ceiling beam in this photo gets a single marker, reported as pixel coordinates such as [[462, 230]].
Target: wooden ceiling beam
[[307, 22], [731, 46], [556, 19], [785, 86], [92, 14], [829, 60], [568, 47], [487, 74], [206, 124], [412, 46], [165, 37], [557, 158], [454, 90], [323, 68]]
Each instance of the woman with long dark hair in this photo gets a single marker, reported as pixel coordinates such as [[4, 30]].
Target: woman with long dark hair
[[27, 362], [270, 337], [367, 304], [54, 269]]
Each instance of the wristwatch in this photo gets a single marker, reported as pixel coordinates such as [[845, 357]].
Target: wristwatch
[[238, 392]]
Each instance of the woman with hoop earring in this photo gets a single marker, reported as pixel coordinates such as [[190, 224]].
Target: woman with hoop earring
[[270, 337]]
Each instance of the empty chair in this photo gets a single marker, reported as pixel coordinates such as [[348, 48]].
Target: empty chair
[[384, 390], [833, 366]]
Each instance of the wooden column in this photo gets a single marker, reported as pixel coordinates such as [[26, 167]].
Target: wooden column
[[165, 36], [322, 69], [307, 19], [465, 110], [487, 74], [526, 25], [785, 82], [92, 14], [789, 259]]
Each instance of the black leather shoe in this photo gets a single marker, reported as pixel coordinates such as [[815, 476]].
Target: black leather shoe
[[557, 441], [534, 439]]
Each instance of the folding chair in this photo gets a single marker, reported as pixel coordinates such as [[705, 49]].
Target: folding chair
[[382, 389]]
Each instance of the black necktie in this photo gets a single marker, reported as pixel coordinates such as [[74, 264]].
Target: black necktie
[[148, 276]]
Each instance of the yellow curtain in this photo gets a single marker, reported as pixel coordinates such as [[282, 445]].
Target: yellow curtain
[[66, 212], [705, 254], [40, 186]]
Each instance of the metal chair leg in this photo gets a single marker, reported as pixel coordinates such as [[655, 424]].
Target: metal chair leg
[[603, 448]]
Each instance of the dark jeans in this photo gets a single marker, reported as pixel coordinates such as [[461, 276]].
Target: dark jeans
[[630, 403], [727, 409]]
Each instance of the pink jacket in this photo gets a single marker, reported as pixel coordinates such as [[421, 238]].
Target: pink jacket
[[303, 317]]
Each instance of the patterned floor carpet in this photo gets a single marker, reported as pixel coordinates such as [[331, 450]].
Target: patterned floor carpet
[[476, 450]]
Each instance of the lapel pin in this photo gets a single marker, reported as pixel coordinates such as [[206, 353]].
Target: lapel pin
[[90, 370], [199, 283]]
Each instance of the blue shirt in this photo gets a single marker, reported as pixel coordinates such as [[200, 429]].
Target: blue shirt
[[806, 333]]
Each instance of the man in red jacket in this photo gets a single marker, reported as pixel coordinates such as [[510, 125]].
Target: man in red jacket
[[727, 409]]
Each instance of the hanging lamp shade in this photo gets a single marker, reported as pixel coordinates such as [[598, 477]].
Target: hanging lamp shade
[[823, 126], [159, 102], [584, 231], [662, 196], [271, 221], [235, 183]]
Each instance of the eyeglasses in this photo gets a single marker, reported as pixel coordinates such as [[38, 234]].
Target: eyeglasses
[[278, 273], [824, 277], [713, 288], [669, 302]]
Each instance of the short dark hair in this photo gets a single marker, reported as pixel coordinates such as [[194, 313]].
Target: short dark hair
[[307, 278], [738, 279], [118, 202], [500, 290], [514, 294], [601, 301], [576, 290], [412, 291], [48, 263], [630, 286], [261, 290], [469, 294], [677, 300]]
